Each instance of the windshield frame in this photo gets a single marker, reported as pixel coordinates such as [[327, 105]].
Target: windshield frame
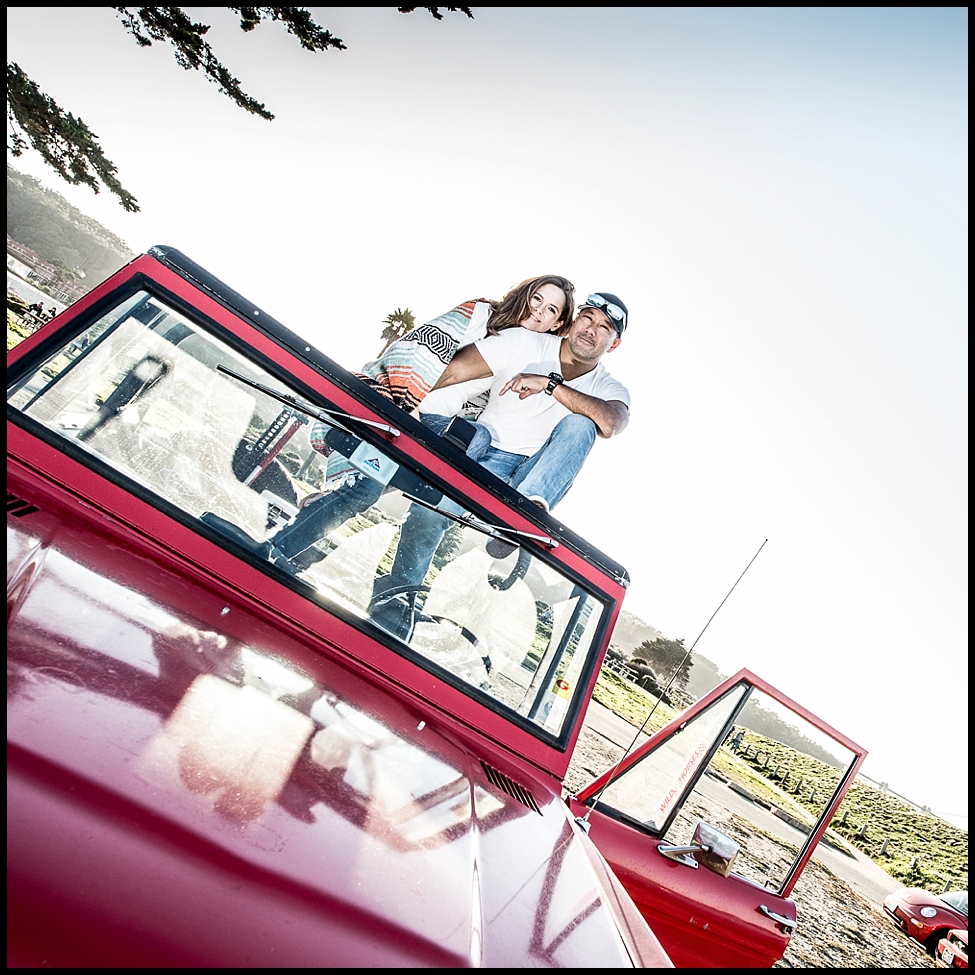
[[418, 449]]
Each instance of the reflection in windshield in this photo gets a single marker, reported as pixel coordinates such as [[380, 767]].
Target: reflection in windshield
[[141, 390], [958, 899]]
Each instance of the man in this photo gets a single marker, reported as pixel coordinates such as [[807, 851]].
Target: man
[[550, 397], [537, 381]]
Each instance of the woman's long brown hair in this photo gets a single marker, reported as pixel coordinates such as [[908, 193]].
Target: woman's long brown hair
[[515, 306]]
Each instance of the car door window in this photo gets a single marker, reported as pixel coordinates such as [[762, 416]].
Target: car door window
[[749, 762], [652, 791]]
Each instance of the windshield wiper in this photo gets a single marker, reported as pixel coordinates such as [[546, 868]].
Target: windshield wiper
[[309, 409], [495, 531], [327, 416]]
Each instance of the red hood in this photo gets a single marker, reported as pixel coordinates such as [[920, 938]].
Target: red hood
[[189, 786]]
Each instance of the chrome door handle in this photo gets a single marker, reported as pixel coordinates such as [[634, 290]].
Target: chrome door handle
[[785, 923]]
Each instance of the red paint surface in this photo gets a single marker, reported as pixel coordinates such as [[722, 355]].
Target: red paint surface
[[206, 768]]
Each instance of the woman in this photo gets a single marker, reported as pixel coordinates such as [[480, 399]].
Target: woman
[[409, 368]]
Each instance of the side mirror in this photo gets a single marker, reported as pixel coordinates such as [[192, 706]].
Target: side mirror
[[709, 847], [716, 850]]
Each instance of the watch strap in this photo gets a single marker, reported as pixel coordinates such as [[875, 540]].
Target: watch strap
[[554, 379]]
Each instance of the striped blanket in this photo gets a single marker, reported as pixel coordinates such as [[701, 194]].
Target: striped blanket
[[408, 369]]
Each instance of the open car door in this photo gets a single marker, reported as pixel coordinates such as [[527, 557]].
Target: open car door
[[709, 823]]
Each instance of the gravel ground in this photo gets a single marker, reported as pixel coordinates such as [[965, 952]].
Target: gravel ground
[[837, 927]]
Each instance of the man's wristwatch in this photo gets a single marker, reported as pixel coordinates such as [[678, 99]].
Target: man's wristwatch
[[554, 379]]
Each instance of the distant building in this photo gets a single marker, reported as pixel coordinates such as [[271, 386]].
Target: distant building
[[35, 265], [17, 266], [20, 256]]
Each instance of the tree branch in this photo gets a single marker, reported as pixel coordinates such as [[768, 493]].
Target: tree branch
[[69, 147], [435, 11], [64, 142], [297, 20], [148, 24]]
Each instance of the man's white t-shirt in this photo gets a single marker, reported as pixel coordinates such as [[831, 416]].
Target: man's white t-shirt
[[521, 426]]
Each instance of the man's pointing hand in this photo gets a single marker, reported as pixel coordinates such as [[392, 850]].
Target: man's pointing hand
[[525, 384]]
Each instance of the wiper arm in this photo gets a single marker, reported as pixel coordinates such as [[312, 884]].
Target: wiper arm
[[326, 416], [309, 409], [495, 531]]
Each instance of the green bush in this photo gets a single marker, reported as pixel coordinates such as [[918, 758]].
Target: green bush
[[17, 331], [15, 303]]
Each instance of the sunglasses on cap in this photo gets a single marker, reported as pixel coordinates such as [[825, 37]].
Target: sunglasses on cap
[[616, 314]]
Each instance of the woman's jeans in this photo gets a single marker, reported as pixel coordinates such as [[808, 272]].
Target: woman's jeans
[[325, 514]]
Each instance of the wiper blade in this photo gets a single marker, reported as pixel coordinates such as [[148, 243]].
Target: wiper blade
[[309, 409], [495, 531]]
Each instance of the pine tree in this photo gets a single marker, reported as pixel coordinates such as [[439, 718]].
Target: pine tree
[[65, 143], [69, 147], [664, 657]]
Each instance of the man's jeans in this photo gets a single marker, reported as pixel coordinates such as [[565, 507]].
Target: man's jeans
[[547, 474]]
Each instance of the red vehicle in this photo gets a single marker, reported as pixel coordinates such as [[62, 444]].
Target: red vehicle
[[953, 949], [214, 761], [927, 917]]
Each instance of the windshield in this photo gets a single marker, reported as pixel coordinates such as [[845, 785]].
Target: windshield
[[193, 425], [958, 899]]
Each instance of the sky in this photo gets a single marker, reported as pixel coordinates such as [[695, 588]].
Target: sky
[[778, 195]]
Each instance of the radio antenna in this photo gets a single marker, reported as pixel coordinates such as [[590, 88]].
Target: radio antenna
[[583, 821]]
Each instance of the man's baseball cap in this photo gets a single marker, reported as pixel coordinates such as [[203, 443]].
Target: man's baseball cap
[[612, 307]]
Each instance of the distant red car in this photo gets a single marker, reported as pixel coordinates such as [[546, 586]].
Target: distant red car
[[953, 949], [928, 917]]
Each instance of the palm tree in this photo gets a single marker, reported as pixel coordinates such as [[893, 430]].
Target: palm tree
[[397, 323]]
